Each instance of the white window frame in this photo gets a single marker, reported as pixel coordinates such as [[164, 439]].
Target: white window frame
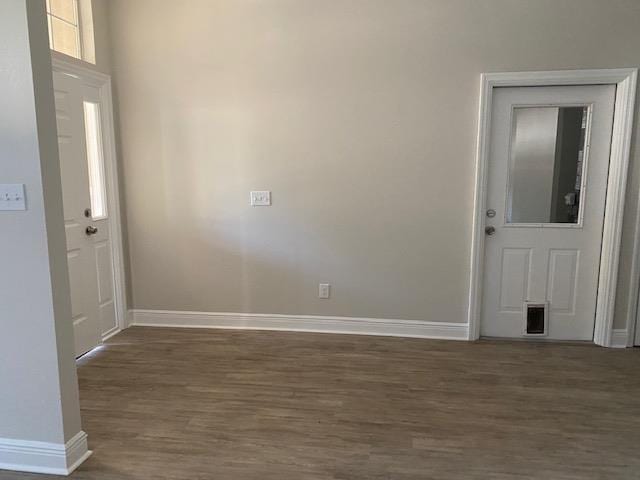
[[77, 26]]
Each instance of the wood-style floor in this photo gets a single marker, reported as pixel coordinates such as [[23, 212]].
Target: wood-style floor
[[213, 404]]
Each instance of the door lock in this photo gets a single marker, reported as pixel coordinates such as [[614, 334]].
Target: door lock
[[489, 230], [91, 230], [491, 213]]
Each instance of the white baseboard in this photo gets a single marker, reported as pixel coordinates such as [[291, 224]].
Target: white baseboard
[[300, 323], [44, 457], [110, 333], [619, 338], [128, 318]]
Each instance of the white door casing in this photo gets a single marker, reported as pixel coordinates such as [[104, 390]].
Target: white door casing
[[91, 92], [75, 191], [625, 80], [555, 264]]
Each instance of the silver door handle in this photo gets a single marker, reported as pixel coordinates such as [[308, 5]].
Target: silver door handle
[[91, 230], [489, 230]]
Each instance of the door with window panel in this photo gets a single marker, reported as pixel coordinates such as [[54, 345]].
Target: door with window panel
[[101, 237], [91, 269], [547, 180]]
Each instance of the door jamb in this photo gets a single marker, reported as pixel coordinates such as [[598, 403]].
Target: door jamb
[[625, 80], [102, 82]]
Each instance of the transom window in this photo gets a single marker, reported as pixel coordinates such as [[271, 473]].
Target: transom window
[[71, 28], [64, 27]]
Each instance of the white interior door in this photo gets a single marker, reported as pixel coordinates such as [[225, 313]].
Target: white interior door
[[547, 179], [84, 196]]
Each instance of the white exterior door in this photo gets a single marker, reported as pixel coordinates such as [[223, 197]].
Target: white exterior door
[[90, 267], [547, 179], [101, 240]]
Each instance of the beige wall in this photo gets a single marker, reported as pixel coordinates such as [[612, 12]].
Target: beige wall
[[359, 115], [102, 40]]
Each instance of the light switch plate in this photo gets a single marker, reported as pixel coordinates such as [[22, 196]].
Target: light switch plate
[[261, 198], [12, 196]]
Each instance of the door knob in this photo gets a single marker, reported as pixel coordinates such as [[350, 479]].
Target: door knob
[[490, 230], [91, 230]]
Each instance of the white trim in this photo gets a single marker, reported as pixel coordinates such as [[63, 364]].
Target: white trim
[[79, 68], [300, 323], [619, 338], [102, 82], [129, 318], [634, 336], [44, 457], [110, 333], [633, 302], [614, 208], [625, 81]]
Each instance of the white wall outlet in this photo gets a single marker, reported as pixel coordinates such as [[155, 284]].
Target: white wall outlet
[[261, 198], [12, 196], [324, 290]]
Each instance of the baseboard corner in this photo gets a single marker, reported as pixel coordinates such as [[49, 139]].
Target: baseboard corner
[[619, 338], [44, 457]]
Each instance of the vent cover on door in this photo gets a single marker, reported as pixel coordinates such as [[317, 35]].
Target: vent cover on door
[[536, 319]]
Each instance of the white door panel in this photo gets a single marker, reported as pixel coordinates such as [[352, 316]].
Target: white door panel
[[548, 164], [106, 300]]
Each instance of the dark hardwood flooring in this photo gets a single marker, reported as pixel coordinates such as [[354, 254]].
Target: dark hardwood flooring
[[213, 404]]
